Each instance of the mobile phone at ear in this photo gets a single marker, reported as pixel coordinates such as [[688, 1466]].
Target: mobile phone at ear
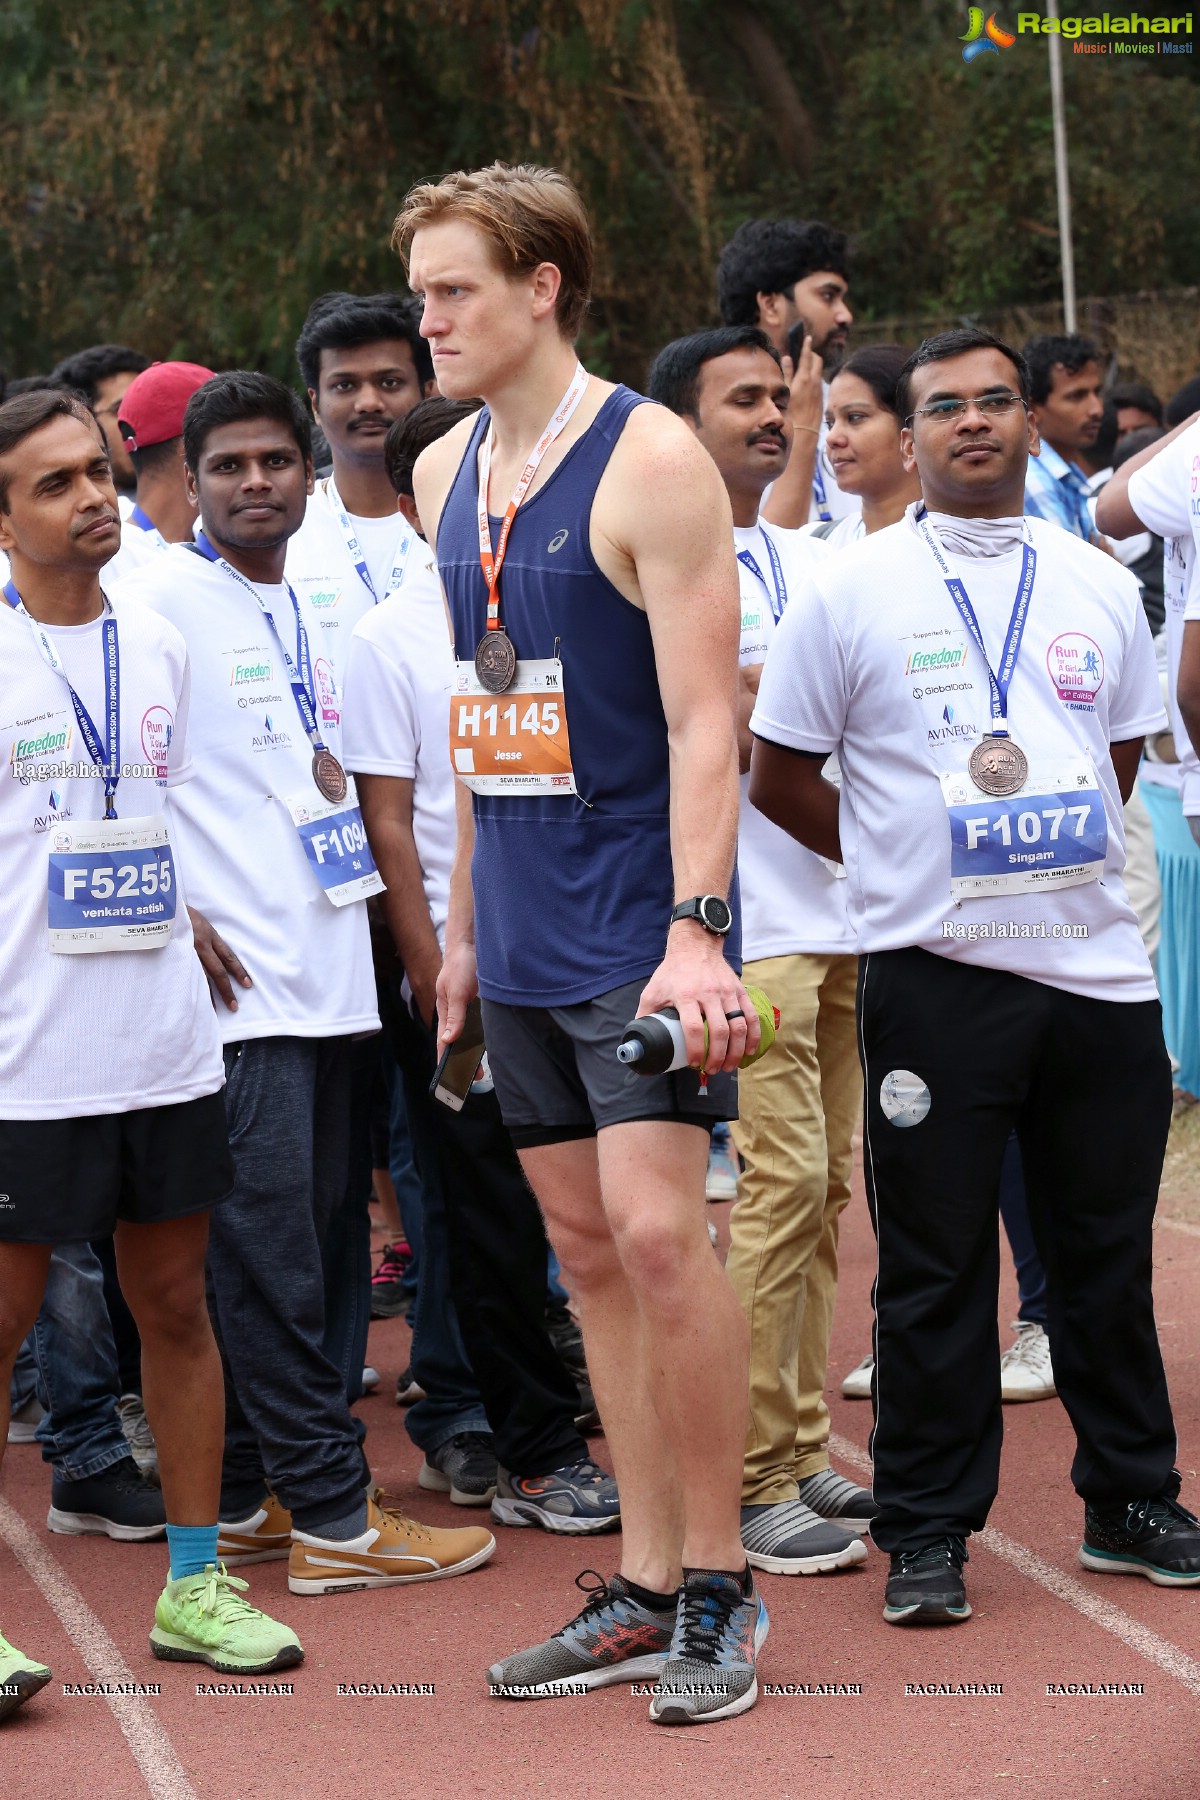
[[795, 340], [459, 1062]]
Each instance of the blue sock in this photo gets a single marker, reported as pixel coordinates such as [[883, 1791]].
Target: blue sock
[[192, 1548]]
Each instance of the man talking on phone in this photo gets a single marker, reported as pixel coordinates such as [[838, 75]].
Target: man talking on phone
[[594, 720]]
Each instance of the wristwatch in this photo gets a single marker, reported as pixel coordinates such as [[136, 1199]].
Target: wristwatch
[[708, 910]]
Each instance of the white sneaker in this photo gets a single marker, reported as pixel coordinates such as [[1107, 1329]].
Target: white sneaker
[[857, 1384], [1026, 1372]]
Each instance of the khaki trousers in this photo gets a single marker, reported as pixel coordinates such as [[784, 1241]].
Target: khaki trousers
[[799, 1107]]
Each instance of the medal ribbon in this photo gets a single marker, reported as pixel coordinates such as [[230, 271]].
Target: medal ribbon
[[355, 548], [999, 682], [780, 598], [110, 762], [304, 690], [492, 564]]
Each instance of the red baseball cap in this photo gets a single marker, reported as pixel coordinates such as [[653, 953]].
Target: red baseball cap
[[153, 404]]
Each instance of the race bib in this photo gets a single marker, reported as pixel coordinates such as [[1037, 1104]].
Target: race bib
[[1054, 834], [111, 886], [515, 742], [335, 843]]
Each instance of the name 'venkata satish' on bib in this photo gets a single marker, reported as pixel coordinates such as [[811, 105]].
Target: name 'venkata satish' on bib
[[516, 742]]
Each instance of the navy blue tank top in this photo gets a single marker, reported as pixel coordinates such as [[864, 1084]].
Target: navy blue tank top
[[573, 893]]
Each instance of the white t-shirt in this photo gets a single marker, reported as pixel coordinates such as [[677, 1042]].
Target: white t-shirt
[[138, 547], [792, 902], [121, 1030], [310, 961], [839, 676], [845, 531], [396, 701], [1165, 495], [321, 568]]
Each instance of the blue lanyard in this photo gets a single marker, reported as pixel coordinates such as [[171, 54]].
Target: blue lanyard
[[110, 763], [355, 549], [780, 598], [304, 690], [143, 521], [823, 512], [1001, 682]]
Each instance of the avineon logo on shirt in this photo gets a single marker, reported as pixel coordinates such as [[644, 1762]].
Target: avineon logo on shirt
[[55, 814], [270, 739], [950, 656]]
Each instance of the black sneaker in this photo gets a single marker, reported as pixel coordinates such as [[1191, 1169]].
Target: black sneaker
[[463, 1467], [388, 1295], [1156, 1538], [567, 1339], [925, 1586], [119, 1503]]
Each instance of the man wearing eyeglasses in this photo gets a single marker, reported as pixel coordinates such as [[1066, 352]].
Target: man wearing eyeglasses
[[101, 373], [986, 681]]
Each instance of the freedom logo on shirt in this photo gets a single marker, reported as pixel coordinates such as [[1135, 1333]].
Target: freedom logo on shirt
[[1076, 665]]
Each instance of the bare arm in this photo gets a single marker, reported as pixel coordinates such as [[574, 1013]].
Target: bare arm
[[218, 961], [749, 676], [457, 984], [1125, 758], [1114, 514], [386, 802], [790, 499], [788, 787], [680, 553]]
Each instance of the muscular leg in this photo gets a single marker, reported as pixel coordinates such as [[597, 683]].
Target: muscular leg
[[22, 1281], [162, 1275], [665, 1337]]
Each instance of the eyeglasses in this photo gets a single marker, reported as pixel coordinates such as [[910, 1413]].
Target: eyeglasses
[[949, 412]]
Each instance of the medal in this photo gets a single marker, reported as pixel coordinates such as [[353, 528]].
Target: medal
[[495, 661], [330, 776], [997, 766]]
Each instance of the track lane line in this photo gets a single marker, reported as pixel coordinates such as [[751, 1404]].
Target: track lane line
[[1148, 1644], [148, 1742]]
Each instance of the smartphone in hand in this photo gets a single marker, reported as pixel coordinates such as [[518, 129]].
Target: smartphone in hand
[[459, 1062]]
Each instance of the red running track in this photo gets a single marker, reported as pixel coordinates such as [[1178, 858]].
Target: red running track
[[1039, 1621]]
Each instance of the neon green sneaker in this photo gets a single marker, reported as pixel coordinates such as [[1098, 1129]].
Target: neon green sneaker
[[20, 1677], [201, 1618]]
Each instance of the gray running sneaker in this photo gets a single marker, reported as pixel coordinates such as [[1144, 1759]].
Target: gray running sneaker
[[579, 1498], [710, 1672], [785, 1537], [463, 1467], [138, 1435], [843, 1502], [615, 1638]]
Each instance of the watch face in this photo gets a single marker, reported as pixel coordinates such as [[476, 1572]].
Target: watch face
[[716, 914]]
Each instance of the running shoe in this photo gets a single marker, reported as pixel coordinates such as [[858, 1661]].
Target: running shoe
[[1156, 1538], [20, 1677], [842, 1502], [388, 1298], [392, 1550], [710, 1671], [785, 1537], [857, 1384], [720, 1183], [1026, 1371], [567, 1338], [265, 1536], [408, 1388], [926, 1587], [370, 1379], [23, 1424], [463, 1467], [578, 1498], [118, 1503], [615, 1638], [202, 1618], [138, 1435]]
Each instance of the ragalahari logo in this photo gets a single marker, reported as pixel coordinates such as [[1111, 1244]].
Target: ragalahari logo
[[984, 37]]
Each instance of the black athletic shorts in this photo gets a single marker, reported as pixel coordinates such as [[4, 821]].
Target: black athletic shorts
[[66, 1179], [557, 1076]]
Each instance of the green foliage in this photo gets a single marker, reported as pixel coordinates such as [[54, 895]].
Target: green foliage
[[187, 180]]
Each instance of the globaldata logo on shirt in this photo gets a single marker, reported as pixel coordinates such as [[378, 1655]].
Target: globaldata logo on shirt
[[269, 738], [1076, 665]]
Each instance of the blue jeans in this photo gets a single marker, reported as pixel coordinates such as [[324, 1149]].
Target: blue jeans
[[70, 1361], [1031, 1276], [287, 1421]]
